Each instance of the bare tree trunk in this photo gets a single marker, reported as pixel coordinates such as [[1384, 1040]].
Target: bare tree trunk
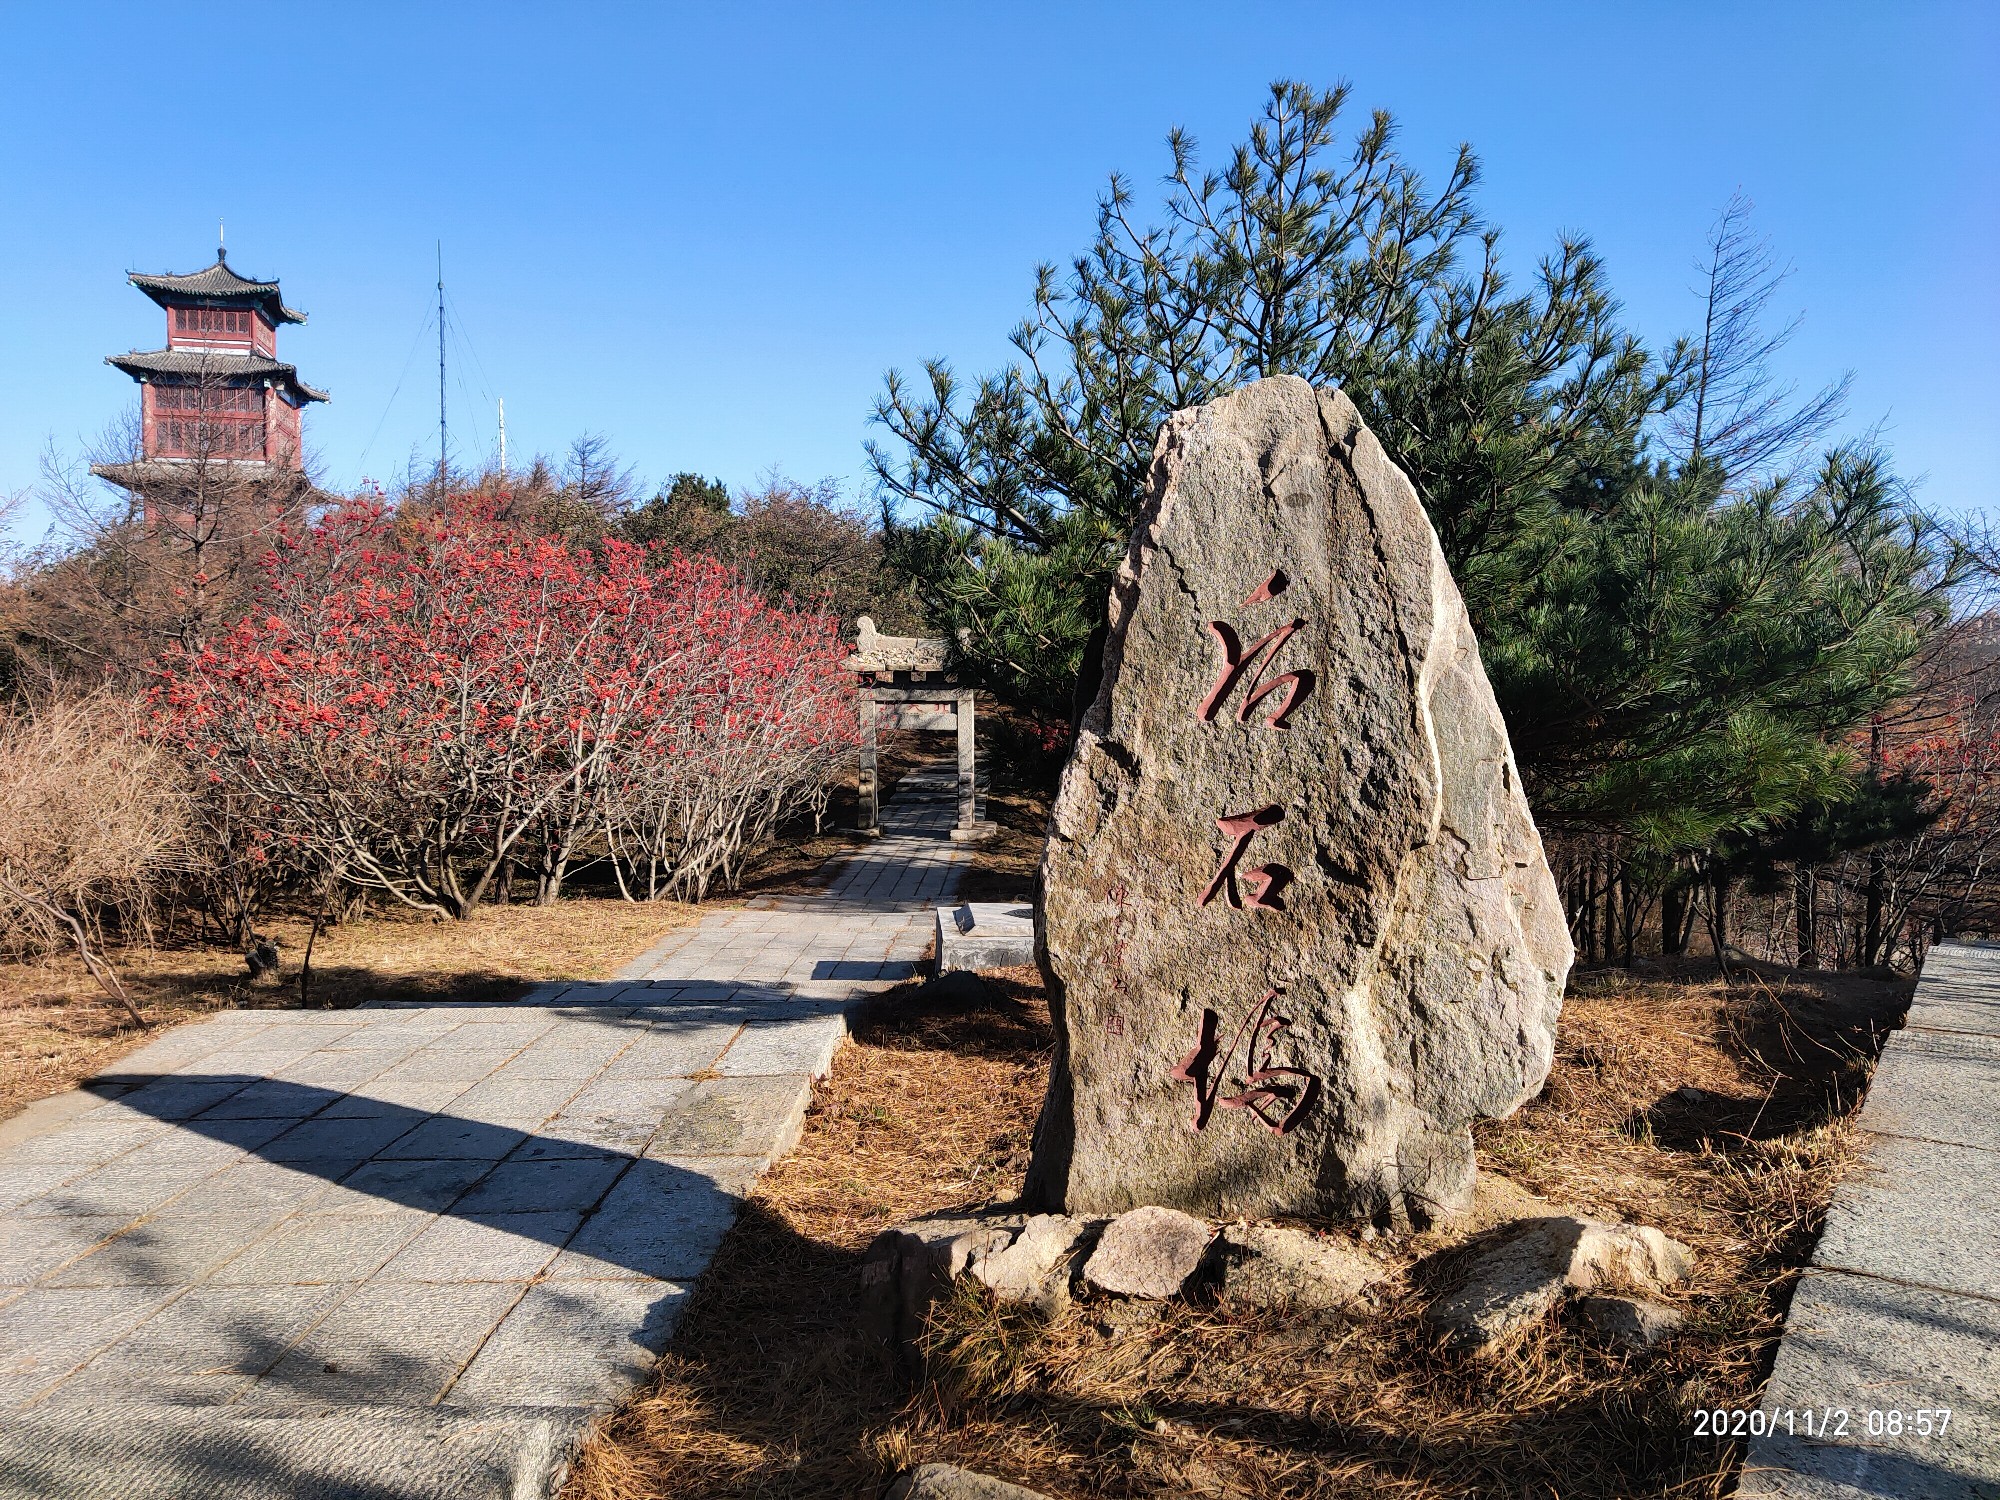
[[1589, 899], [1610, 939], [306, 965], [1718, 925], [1805, 914], [1673, 919]]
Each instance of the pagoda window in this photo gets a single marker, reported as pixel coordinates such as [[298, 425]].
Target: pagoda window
[[223, 399], [223, 320], [184, 438]]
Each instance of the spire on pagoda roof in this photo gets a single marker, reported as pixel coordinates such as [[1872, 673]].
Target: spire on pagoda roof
[[218, 283]]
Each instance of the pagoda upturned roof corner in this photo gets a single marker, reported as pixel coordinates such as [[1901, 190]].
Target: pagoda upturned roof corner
[[217, 283]]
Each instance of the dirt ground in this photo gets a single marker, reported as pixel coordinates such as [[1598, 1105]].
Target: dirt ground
[[1718, 1114]]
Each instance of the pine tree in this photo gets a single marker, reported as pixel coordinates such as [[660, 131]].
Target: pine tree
[[1303, 256], [1679, 647], [1682, 668]]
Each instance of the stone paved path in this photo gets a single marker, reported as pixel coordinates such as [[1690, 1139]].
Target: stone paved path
[[411, 1251], [1899, 1314]]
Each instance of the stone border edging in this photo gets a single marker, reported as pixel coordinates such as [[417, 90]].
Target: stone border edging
[[1897, 1319]]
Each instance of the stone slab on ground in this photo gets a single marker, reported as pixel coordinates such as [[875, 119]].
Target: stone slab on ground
[[1901, 1218], [1938, 1086], [413, 1250], [1271, 1265], [1543, 1261], [1899, 1317], [1148, 1252], [1957, 992], [979, 935]]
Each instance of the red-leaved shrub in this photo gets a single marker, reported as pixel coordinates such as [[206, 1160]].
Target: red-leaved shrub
[[421, 703]]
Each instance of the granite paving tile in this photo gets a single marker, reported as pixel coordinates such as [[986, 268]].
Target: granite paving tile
[[573, 1344], [45, 1332], [32, 1248], [316, 1249], [462, 1246], [167, 1250], [399, 1343]]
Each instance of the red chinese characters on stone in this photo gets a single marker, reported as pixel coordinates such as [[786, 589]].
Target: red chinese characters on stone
[[1264, 881], [1239, 660], [1277, 1095]]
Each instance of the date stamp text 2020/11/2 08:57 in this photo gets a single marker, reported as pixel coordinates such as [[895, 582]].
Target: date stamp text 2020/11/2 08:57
[[1822, 1422]]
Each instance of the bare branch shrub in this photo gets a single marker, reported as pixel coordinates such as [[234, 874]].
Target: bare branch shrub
[[91, 814]]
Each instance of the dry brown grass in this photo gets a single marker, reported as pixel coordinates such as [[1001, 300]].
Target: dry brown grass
[[769, 1391], [56, 1027], [91, 815]]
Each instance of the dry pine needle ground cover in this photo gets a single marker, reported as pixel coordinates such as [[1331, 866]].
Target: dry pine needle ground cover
[[1719, 1115], [57, 1027]]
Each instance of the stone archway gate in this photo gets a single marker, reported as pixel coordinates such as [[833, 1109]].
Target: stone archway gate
[[906, 682]]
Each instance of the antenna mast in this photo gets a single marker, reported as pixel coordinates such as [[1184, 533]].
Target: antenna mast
[[503, 437], [441, 426]]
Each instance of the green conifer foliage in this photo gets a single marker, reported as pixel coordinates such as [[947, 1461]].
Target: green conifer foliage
[[1678, 657]]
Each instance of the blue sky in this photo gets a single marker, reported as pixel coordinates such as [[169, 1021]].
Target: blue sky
[[705, 231]]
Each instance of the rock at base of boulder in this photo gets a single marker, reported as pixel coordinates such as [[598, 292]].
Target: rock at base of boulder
[[905, 1270], [1032, 1270], [1629, 1322], [1022, 1260], [1267, 1265], [1148, 1252], [1628, 1255], [949, 1482], [1496, 1201], [1519, 1280]]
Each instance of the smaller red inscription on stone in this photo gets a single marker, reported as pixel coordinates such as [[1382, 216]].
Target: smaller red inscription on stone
[[1265, 881], [1277, 1095], [1121, 931]]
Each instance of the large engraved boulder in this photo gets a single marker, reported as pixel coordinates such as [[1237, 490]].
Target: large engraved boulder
[[1296, 919]]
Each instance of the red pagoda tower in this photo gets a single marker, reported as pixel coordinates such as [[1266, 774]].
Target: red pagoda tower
[[218, 392]]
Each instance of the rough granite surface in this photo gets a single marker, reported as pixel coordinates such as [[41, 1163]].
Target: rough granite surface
[[1270, 1265], [1543, 1261], [1297, 920], [1148, 1252]]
